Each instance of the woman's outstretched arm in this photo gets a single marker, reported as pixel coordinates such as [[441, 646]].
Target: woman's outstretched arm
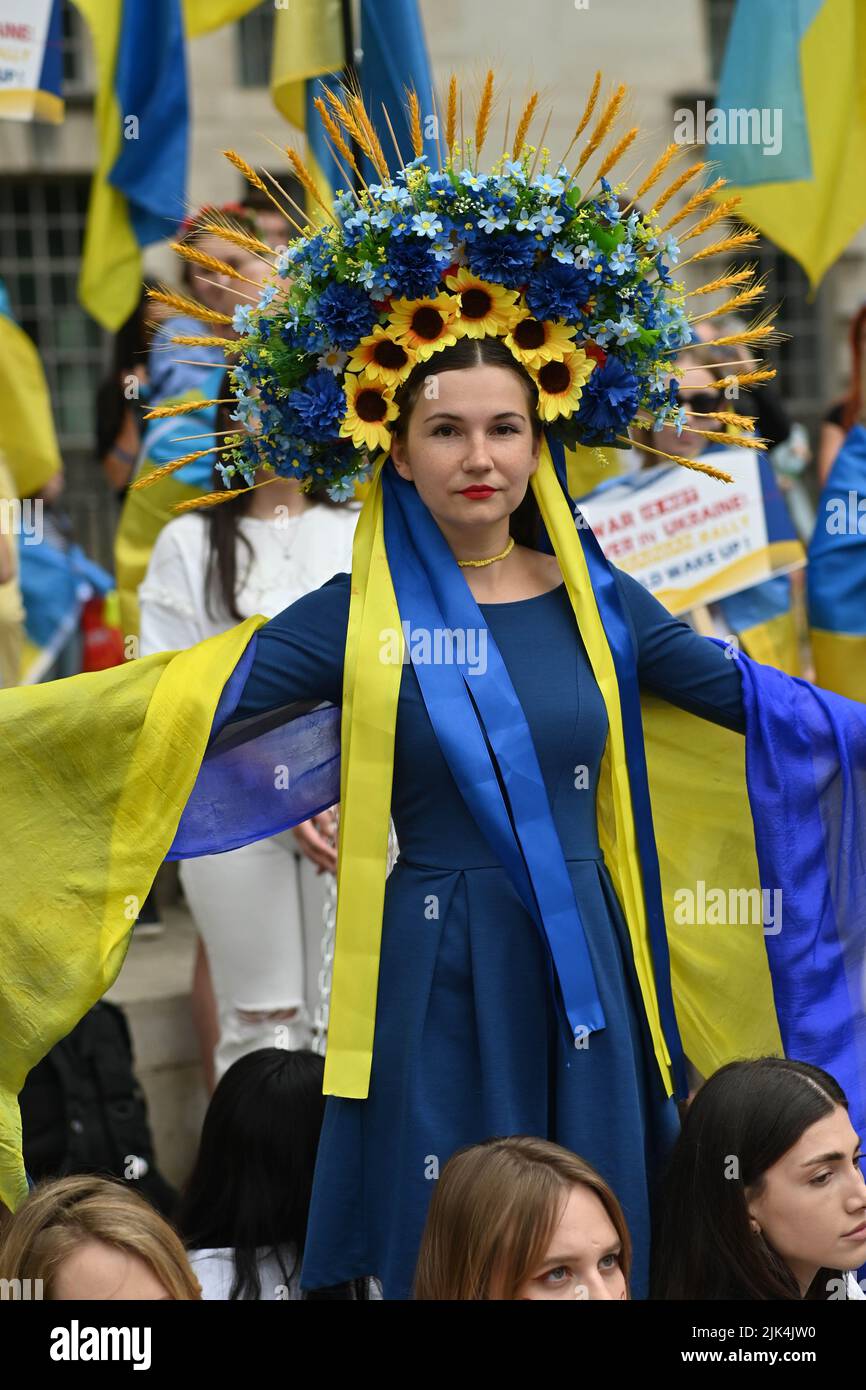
[[678, 664]]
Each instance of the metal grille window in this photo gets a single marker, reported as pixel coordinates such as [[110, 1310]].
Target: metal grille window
[[255, 40], [78, 70], [41, 235]]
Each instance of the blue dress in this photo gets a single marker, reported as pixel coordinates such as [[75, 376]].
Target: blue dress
[[467, 1043]]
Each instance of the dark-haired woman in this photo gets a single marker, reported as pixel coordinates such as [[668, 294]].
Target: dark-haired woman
[[467, 1042], [765, 1194], [244, 1213], [209, 570]]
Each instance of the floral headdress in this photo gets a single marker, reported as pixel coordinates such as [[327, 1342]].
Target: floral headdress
[[562, 266]]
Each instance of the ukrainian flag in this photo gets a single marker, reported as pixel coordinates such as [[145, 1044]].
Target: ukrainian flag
[[139, 188], [395, 57], [801, 68], [27, 436], [836, 575], [202, 16], [309, 44]]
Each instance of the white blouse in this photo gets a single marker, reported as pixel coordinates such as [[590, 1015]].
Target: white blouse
[[291, 556]]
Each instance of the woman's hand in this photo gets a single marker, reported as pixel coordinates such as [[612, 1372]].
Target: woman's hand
[[317, 838]]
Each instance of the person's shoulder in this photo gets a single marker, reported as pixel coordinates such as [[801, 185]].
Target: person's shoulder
[[190, 529]]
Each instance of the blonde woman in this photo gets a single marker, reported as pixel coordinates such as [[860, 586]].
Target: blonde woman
[[89, 1238], [523, 1219]]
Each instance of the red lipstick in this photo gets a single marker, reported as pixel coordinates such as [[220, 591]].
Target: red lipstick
[[477, 493]]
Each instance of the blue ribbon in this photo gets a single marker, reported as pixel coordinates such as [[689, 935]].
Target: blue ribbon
[[482, 730], [625, 664]]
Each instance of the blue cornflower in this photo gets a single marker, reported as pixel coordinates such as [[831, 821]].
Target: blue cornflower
[[557, 291], [412, 268], [346, 313], [319, 406], [505, 259], [609, 401]]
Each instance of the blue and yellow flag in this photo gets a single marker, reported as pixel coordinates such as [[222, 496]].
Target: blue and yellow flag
[[139, 187], [202, 16], [789, 128], [27, 436], [309, 44], [395, 57], [837, 574]]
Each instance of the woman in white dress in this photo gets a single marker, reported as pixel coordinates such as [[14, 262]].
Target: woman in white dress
[[258, 909]]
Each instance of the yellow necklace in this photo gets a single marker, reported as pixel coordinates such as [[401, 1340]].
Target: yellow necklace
[[476, 564]]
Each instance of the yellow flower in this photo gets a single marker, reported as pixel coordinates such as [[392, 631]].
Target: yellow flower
[[536, 341], [383, 358], [424, 325], [560, 384], [486, 310], [369, 406]]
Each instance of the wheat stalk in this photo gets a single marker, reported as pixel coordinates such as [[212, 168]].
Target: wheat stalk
[[677, 458], [723, 209], [731, 243], [190, 307], [616, 153], [658, 169], [482, 120], [192, 253], [602, 126], [167, 412], [695, 201], [724, 282], [677, 184], [415, 132], [451, 115], [748, 296], [748, 378], [523, 125]]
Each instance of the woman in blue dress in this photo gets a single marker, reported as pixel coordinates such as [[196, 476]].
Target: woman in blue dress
[[467, 1044]]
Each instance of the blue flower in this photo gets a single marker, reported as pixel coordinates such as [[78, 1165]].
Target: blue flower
[[609, 401], [671, 249], [596, 268], [492, 220], [241, 321], [382, 218], [513, 169], [268, 295], [342, 490], [412, 267], [472, 181], [557, 291], [550, 220], [561, 251], [375, 279], [346, 313], [527, 221], [426, 224], [622, 259], [550, 187], [319, 406], [506, 260], [318, 255], [394, 194]]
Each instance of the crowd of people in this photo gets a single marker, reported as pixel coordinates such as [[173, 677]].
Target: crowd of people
[[763, 1199]]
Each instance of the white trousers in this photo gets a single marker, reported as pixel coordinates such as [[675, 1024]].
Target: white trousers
[[259, 911]]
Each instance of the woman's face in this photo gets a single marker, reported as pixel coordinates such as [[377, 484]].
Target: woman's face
[[218, 291], [583, 1256], [812, 1206], [475, 432], [100, 1272]]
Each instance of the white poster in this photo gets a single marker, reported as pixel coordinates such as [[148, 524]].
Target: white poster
[[30, 60], [689, 538]]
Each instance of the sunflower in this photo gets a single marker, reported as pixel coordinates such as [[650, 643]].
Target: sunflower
[[486, 310], [425, 325], [536, 341], [369, 406], [560, 384], [383, 358]]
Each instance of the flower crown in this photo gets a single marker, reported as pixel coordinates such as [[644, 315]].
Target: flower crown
[[573, 277]]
